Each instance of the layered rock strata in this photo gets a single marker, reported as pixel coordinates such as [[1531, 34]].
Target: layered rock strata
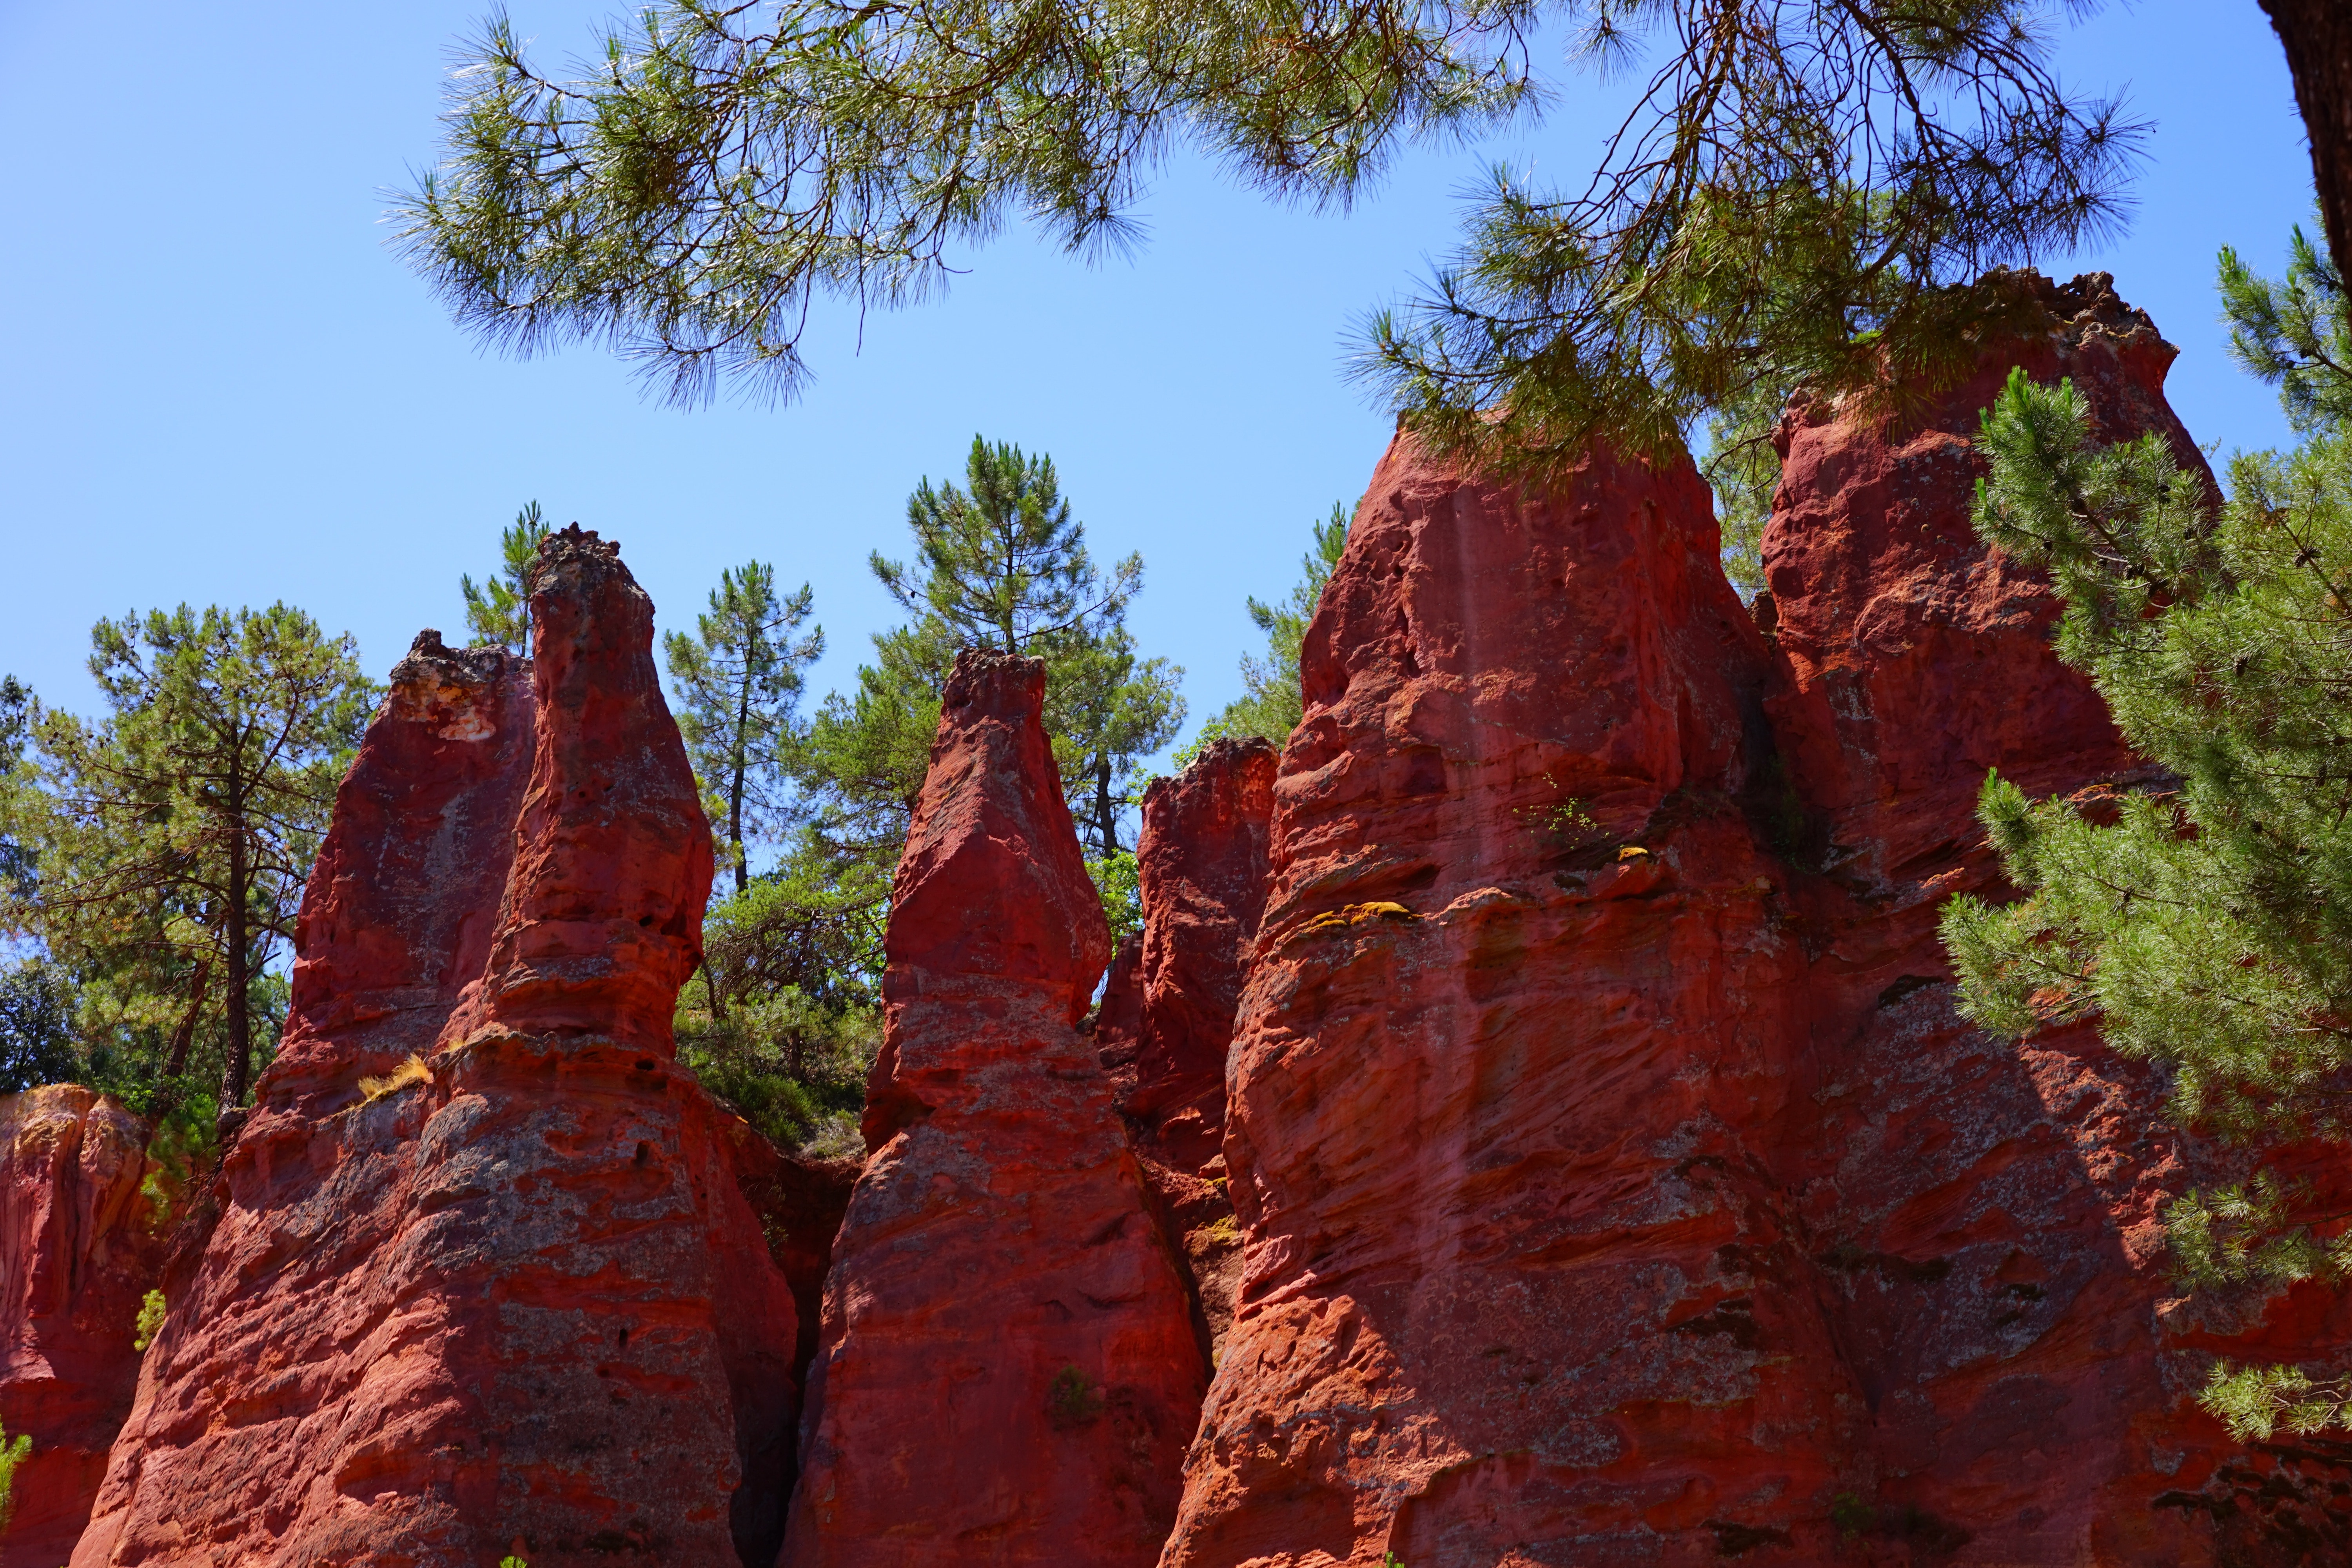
[[507, 1297], [80, 1248], [1619, 1184], [1166, 1020], [1009, 1369]]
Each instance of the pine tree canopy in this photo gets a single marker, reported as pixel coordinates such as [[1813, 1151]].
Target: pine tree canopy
[[172, 840], [2208, 925], [498, 612], [1802, 193], [738, 680]]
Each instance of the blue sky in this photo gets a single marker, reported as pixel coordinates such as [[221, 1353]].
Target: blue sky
[[220, 385]]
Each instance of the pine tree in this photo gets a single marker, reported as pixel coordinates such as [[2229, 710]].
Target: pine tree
[[1271, 704], [2208, 926], [1001, 563], [738, 680], [1803, 195], [173, 839], [498, 612]]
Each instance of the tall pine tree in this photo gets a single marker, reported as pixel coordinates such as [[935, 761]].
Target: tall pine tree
[[173, 838], [498, 612], [2208, 927], [738, 680]]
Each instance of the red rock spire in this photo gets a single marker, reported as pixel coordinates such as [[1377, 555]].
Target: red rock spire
[[1008, 1356]]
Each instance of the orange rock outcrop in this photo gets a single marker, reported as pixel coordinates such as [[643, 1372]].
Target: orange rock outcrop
[[1619, 1184], [513, 1300], [1009, 1369], [80, 1249]]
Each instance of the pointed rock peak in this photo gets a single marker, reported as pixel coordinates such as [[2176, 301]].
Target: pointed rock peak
[[992, 884], [432, 662]]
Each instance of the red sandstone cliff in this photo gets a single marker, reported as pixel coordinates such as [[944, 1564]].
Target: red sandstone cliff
[[1619, 1184], [1166, 1020], [522, 1301], [1009, 1369], [79, 1250]]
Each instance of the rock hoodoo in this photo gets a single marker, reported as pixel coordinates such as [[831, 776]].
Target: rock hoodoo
[[1166, 1020], [1538, 1096], [1009, 1371], [521, 1299], [1619, 1184], [79, 1251]]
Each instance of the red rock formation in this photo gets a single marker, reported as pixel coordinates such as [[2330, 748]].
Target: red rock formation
[[1990, 1216], [1201, 867], [522, 1301], [79, 1251], [1167, 1013], [1619, 1184], [1009, 1369]]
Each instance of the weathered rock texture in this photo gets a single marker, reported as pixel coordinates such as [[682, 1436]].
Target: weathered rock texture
[[1619, 1186], [1167, 1015], [80, 1248], [1009, 1369], [524, 1300]]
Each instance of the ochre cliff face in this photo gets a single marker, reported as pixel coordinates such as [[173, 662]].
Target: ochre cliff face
[[79, 1250], [1166, 1021], [1009, 1369], [1201, 864], [1619, 1184], [523, 1305]]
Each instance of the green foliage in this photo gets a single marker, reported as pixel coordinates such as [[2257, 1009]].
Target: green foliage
[[738, 678], [2293, 333], [498, 612], [1073, 1399], [150, 1320], [1800, 188], [172, 840], [2208, 925], [1122, 897], [1272, 703], [1000, 563], [37, 1005], [1744, 468], [14, 1452], [512, 1562], [784, 1022], [1851, 1515]]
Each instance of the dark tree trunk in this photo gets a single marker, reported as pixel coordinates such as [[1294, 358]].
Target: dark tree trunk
[[1106, 809], [2318, 38], [167, 1095], [240, 960], [735, 794]]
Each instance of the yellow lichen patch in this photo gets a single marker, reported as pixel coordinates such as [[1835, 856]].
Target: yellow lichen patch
[[1354, 915], [1632, 852], [412, 1070]]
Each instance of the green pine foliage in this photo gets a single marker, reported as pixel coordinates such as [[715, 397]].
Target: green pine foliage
[[2208, 927], [1000, 561], [738, 680], [1744, 467], [1272, 703], [1800, 189], [169, 841], [14, 1452], [498, 612]]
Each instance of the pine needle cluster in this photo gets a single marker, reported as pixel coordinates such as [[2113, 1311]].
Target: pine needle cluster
[[1802, 192], [2208, 926]]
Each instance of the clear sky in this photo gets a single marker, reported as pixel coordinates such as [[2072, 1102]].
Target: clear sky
[[221, 384]]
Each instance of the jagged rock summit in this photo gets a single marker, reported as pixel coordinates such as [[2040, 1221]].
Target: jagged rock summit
[[515, 1300], [1618, 1182], [1009, 1369]]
